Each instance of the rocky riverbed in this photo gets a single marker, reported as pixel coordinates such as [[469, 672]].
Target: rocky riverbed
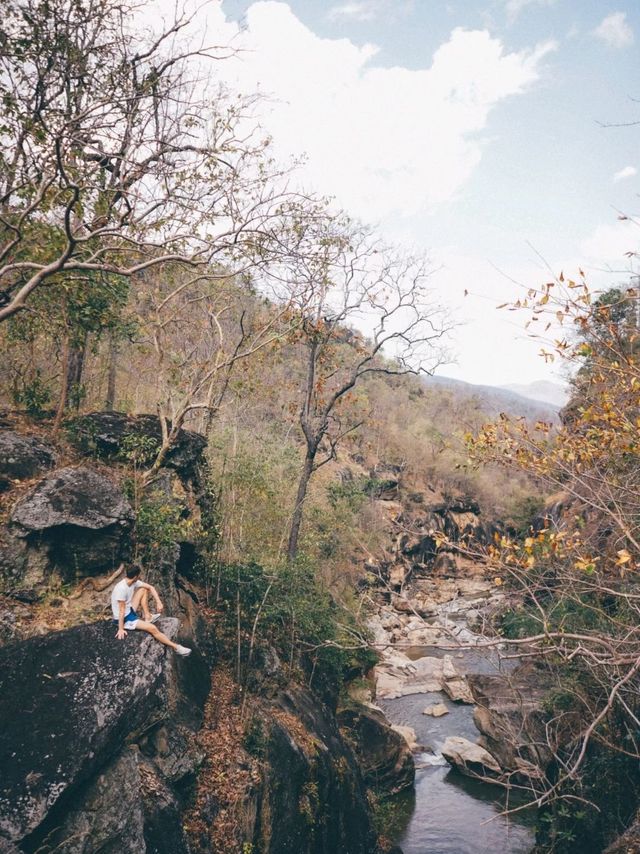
[[431, 657]]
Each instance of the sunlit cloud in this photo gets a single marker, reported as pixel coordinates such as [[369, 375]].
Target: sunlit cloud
[[627, 172], [383, 140], [515, 7], [615, 31], [365, 11]]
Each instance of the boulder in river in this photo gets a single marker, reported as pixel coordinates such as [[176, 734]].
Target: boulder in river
[[398, 676], [470, 758], [510, 716], [409, 735], [454, 684], [436, 711]]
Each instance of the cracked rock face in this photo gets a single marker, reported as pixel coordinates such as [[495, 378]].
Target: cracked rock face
[[384, 755], [511, 719], [68, 702]]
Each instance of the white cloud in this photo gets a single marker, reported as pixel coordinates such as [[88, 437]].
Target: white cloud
[[369, 10], [627, 172], [383, 140], [365, 11], [615, 31], [514, 7]]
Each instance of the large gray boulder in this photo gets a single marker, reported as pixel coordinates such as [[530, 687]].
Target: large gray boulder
[[469, 758], [455, 684], [80, 516], [73, 495], [68, 703], [116, 435], [107, 815], [127, 809]]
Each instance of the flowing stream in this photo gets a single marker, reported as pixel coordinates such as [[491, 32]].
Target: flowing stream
[[449, 813]]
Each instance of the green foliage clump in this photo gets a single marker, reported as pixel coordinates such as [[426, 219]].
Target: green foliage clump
[[288, 609], [350, 492], [562, 613], [140, 449], [33, 393], [524, 510], [354, 492], [159, 526], [519, 623], [77, 311], [572, 822]]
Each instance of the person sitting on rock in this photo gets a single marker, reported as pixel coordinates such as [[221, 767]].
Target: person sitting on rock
[[131, 595]]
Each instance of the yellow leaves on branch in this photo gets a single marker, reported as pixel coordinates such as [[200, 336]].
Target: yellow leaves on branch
[[586, 564], [536, 549], [440, 539], [594, 454], [623, 557]]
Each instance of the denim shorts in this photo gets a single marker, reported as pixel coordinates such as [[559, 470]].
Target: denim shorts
[[130, 620]]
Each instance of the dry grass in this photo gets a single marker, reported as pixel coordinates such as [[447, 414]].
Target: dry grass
[[214, 823]]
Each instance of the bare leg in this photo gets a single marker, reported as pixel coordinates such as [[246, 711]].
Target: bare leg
[[156, 634], [141, 600]]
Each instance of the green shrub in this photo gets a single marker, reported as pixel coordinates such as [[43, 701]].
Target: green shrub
[[34, 394], [287, 608], [159, 526]]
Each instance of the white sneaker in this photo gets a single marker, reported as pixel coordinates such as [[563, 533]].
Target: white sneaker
[[154, 618], [183, 650]]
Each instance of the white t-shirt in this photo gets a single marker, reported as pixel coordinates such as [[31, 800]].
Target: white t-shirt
[[122, 592]]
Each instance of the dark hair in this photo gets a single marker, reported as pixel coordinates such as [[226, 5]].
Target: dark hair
[[134, 571]]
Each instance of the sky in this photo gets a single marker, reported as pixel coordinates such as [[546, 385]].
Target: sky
[[477, 132]]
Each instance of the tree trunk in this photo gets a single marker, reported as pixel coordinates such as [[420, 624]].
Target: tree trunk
[[74, 369], [64, 388], [296, 519], [111, 376]]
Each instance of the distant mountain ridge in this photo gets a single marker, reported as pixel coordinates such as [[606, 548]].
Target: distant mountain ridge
[[496, 399], [542, 390]]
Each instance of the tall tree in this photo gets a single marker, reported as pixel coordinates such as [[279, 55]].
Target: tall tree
[[366, 309]]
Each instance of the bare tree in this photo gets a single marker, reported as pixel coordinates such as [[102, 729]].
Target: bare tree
[[117, 152], [201, 328], [366, 310]]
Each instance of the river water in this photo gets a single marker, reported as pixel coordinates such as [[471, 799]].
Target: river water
[[449, 813]]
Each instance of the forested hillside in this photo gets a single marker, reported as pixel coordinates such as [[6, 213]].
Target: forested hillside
[[408, 428]]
